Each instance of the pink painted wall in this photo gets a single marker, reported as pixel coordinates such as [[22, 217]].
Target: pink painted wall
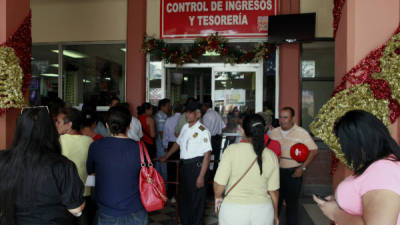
[[12, 13], [364, 26], [289, 66], [135, 59]]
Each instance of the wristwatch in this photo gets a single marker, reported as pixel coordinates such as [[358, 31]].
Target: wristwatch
[[304, 168]]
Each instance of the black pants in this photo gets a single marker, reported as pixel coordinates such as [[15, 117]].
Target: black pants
[[290, 192], [171, 169], [89, 212], [192, 200], [216, 151]]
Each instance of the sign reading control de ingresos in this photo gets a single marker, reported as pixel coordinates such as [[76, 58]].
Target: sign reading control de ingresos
[[230, 18]]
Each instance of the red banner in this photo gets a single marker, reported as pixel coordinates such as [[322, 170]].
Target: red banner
[[230, 18]]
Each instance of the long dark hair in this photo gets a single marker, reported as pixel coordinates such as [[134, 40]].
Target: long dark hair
[[253, 126], [118, 119], [142, 109], [364, 139], [35, 137]]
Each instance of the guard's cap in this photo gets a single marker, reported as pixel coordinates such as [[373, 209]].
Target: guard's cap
[[193, 106]]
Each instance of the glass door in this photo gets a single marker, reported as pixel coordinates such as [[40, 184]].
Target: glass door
[[237, 88]]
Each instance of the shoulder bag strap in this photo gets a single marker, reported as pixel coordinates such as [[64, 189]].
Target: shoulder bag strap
[[269, 141], [230, 189]]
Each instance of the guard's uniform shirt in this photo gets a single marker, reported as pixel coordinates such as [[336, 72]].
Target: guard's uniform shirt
[[194, 141]]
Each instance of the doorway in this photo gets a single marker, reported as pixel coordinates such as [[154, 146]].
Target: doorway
[[184, 83]]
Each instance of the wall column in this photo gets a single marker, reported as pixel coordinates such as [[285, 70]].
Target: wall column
[[135, 60], [289, 66], [12, 14], [364, 26]]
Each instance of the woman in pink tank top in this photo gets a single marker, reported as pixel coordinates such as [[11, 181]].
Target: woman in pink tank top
[[372, 195]]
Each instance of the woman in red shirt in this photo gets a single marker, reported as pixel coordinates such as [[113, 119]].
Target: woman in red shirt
[[145, 112]]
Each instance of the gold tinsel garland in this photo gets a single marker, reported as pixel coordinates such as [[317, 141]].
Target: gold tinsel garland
[[390, 66], [11, 80], [359, 97]]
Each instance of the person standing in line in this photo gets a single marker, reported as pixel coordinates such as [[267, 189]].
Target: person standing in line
[[168, 140], [114, 101], [254, 200], [38, 185], [275, 146], [116, 162], [214, 123], [182, 119], [164, 108], [195, 153], [75, 147], [135, 129], [291, 171], [145, 116], [88, 125]]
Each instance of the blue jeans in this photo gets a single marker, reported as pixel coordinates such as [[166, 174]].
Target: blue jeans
[[161, 167], [139, 217]]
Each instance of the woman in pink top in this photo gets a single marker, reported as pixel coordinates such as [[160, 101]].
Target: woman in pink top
[[372, 195]]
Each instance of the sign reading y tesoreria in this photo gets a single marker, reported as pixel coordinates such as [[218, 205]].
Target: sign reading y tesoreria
[[230, 18]]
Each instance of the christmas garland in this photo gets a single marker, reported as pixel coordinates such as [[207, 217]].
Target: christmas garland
[[337, 13], [212, 43], [15, 66], [11, 78], [375, 87]]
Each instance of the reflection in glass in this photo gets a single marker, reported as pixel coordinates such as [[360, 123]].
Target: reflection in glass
[[44, 83], [314, 95], [155, 77], [234, 91], [93, 73], [183, 83]]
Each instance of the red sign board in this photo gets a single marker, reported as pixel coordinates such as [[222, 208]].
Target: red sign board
[[230, 18]]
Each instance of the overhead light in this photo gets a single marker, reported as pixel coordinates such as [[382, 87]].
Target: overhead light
[[123, 49], [107, 78], [72, 54], [213, 53], [185, 78], [54, 65], [86, 81], [49, 75]]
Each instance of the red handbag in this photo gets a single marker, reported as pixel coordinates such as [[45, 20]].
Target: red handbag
[[151, 184]]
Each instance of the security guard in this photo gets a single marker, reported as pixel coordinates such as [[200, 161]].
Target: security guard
[[194, 142]]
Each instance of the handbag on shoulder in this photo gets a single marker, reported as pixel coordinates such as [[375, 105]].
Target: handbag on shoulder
[[151, 184]]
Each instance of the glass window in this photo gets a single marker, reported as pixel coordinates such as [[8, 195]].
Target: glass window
[[93, 73], [235, 90], [317, 72], [269, 81], [44, 83], [155, 77]]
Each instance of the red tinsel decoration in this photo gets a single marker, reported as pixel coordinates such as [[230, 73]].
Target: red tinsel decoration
[[337, 13], [361, 73], [21, 42]]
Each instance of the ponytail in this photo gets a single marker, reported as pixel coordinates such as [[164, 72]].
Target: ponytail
[[254, 129]]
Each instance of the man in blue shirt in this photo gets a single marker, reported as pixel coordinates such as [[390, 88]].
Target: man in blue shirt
[[164, 107]]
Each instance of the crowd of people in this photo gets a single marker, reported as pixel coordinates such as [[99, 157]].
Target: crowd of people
[[46, 175]]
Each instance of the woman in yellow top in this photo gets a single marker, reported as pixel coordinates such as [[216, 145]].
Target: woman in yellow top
[[254, 200]]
